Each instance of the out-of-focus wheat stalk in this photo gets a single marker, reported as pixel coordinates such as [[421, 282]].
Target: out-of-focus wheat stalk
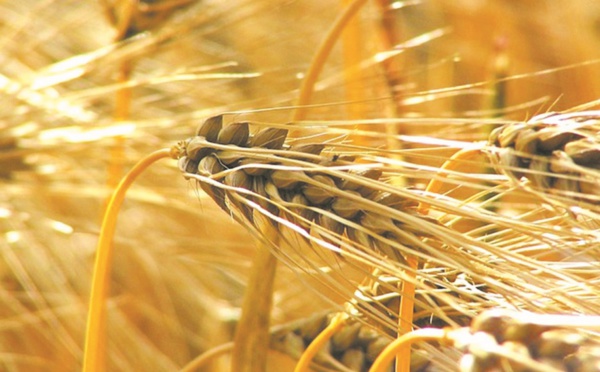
[[181, 263]]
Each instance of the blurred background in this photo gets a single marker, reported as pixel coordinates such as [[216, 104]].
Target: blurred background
[[89, 87]]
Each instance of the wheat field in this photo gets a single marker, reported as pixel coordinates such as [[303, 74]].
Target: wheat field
[[438, 178]]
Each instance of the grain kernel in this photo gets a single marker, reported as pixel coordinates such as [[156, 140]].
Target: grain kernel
[[287, 180], [552, 139], [317, 194], [196, 149], [234, 134], [210, 165], [210, 128], [345, 207], [269, 138]]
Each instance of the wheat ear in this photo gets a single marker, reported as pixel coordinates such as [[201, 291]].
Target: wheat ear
[[325, 196], [249, 174], [558, 153], [509, 341], [336, 205]]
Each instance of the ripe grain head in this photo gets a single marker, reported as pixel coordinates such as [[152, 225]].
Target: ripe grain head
[[340, 213]]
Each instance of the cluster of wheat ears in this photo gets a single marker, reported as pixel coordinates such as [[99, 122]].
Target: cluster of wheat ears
[[353, 202]]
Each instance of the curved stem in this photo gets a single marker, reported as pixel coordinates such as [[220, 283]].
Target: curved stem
[[207, 356], [407, 309], [403, 342], [95, 338], [251, 341], [122, 107], [318, 61], [436, 183], [353, 79], [334, 326]]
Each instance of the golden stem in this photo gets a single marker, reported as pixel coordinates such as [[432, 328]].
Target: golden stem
[[405, 318], [207, 357], [251, 341], [389, 35], [435, 184], [95, 338], [122, 107], [355, 90], [318, 61], [334, 326], [403, 343]]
